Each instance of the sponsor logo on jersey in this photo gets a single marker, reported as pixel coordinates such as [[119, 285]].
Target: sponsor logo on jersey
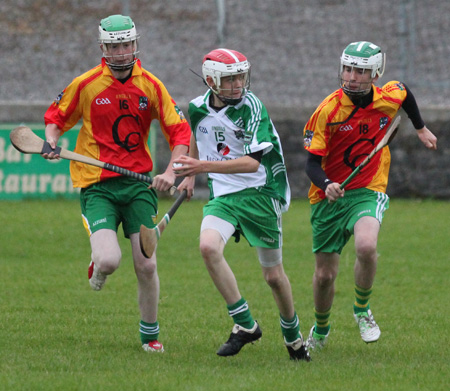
[[123, 96], [143, 103], [218, 128], [383, 122], [102, 101], [345, 128], [307, 138], [203, 129], [223, 149], [216, 159]]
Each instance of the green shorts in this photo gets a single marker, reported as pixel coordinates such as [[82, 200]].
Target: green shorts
[[118, 200], [255, 215], [333, 224]]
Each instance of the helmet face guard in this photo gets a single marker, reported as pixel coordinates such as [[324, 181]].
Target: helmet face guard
[[119, 42], [229, 72], [361, 56]]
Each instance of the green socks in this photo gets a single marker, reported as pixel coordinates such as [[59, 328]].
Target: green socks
[[361, 304], [322, 325], [362, 297], [290, 328], [240, 313], [149, 331]]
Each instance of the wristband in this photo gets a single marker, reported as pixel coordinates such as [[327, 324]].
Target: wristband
[[326, 182]]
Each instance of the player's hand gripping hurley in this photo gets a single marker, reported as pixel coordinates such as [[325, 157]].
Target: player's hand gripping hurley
[[149, 236], [26, 141], [390, 134]]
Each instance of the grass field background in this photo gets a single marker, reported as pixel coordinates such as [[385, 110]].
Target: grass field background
[[58, 334]]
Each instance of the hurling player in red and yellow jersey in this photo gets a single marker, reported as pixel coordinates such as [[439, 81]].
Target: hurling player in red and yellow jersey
[[343, 130], [117, 101]]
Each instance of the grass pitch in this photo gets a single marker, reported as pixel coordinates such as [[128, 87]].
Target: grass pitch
[[58, 334]]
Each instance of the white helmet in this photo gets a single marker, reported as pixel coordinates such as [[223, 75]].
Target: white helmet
[[118, 29], [362, 55], [221, 63]]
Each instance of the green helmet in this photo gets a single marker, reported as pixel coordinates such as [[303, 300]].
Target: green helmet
[[118, 30], [363, 55]]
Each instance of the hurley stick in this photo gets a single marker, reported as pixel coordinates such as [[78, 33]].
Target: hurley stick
[[388, 137], [149, 236], [26, 141]]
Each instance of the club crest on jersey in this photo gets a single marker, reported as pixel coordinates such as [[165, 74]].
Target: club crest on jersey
[[383, 122], [307, 138], [180, 113], [223, 149], [239, 134], [58, 98], [143, 103]]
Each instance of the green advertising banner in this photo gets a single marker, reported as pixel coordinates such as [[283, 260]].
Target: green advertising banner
[[26, 176], [30, 176]]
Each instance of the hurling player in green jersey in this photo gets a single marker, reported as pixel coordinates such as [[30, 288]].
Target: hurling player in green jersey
[[235, 142]]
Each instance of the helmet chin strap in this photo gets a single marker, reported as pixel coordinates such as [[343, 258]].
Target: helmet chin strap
[[226, 101], [362, 100], [229, 101], [201, 77], [356, 94], [223, 99], [121, 67]]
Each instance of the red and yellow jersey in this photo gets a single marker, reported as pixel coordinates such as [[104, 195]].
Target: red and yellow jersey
[[116, 120], [344, 137]]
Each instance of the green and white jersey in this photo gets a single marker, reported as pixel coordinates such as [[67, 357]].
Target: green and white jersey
[[236, 131]]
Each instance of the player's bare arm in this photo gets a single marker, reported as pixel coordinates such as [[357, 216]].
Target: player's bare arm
[[166, 180], [427, 137], [333, 192], [191, 166], [188, 182]]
